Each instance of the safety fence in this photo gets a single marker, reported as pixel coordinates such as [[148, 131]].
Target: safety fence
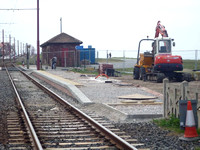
[[127, 54], [186, 54], [173, 93], [64, 58], [69, 58], [78, 58]]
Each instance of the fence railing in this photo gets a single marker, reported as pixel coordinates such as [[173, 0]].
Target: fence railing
[[186, 54], [126, 54], [173, 93], [77, 58]]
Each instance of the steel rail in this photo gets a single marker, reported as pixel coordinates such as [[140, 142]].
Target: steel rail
[[34, 136], [118, 141]]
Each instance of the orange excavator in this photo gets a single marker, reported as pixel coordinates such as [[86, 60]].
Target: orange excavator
[[159, 63]]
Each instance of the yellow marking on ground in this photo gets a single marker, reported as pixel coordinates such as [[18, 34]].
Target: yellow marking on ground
[[59, 78]]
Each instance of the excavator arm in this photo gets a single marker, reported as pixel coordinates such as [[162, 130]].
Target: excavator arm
[[160, 29]]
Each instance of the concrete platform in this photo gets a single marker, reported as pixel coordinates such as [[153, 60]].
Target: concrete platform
[[69, 85]]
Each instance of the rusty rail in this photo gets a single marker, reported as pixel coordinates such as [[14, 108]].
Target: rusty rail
[[33, 134]]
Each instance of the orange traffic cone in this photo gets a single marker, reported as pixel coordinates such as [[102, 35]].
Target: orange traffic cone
[[190, 128], [190, 133]]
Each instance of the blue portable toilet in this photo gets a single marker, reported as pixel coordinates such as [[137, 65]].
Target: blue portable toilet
[[87, 53]]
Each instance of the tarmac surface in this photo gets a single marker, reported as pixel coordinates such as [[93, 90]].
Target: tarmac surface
[[88, 89]]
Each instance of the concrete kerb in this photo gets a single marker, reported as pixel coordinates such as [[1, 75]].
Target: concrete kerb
[[76, 93], [118, 116], [144, 116]]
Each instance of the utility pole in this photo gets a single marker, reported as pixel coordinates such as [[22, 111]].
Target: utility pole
[[38, 40]]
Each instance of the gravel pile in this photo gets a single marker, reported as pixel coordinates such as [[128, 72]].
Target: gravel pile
[[156, 138]]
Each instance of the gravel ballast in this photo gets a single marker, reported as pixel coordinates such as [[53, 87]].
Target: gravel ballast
[[157, 138]]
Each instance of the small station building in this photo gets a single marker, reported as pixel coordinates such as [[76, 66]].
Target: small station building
[[62, 46]]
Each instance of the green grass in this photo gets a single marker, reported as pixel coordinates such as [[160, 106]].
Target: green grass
[[85, 71], [125, 71], [190, 64], [171, 123]]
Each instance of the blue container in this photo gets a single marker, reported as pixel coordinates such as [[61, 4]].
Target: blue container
[[87, 53]]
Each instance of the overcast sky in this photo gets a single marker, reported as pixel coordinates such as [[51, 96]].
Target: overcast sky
[[104, 24]]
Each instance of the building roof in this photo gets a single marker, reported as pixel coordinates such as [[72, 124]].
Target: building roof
[[62, 38]]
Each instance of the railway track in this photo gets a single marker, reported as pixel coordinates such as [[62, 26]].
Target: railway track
[[13, 133], [50, 122]]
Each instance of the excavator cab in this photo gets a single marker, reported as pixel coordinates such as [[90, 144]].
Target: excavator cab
[[163, 46]]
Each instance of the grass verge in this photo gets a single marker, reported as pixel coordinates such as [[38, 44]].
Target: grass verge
[[86, 71], [172, 124]]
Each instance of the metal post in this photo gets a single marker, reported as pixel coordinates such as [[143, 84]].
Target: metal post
[[14, 49], [61, 25], [10, 46], [38, 41], [124, 60], [74, 58], [18, 47], [196, 59], [27, 55], [3, 43], [23, 49]]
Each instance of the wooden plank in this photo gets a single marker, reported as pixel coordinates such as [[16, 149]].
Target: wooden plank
[[137, 97], [81, 148], [140, 101], [65, 136], [82, 143], [17, 143], [17, 148], [136, 103], [16, 132]]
